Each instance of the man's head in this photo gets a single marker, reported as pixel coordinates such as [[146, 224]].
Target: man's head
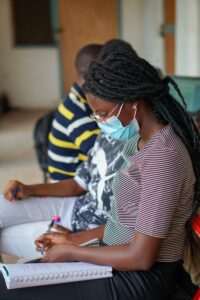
[[84, 57]]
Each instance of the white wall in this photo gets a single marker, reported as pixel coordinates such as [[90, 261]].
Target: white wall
[[140, 25], [30, 76], [188, 37]]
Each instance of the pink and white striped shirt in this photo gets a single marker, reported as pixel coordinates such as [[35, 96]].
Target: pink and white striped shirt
[[153, 194]]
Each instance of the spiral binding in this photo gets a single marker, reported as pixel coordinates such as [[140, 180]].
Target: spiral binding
[[64, 275]]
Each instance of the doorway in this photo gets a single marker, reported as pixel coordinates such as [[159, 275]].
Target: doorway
[[169, 35], [83, 22]]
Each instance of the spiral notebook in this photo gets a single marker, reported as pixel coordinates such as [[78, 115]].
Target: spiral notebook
[[36, 274]]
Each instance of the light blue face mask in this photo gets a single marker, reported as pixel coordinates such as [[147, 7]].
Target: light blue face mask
[[114, 128]]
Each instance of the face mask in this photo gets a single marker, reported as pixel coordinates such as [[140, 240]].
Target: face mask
[[114, 128]]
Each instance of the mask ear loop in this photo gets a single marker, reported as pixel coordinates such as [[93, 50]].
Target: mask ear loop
[[120, 110], [135, 108]]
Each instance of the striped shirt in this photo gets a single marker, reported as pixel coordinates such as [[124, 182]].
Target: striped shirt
[[72, 135], [153, 194]]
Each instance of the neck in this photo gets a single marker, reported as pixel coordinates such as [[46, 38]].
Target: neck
[[79, 83], [148, 126], [80, 79]]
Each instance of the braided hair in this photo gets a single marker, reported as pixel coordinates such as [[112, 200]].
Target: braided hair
[[114, 44], [120, 75]]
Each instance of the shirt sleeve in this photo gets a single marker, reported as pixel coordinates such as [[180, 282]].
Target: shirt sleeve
[[161, 184], [83, 176], [73, 133], [82, 130]]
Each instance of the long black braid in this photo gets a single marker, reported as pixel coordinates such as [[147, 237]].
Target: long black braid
[[120, 75]]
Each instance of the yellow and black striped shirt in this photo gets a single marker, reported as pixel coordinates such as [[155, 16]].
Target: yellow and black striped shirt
[[72, 135]]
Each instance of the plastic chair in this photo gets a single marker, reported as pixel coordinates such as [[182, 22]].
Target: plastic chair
[[196, 228]]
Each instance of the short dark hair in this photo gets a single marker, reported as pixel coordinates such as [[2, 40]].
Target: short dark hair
[[85, 56]]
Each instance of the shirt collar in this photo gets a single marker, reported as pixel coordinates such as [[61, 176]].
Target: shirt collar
[[138, 155], [78, 91]]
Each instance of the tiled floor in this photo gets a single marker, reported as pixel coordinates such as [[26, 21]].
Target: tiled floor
[[17, 155]]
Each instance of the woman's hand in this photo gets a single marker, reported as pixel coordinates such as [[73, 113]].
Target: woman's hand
[[16, 190], [48, 240], [60, 229], [59, 253]]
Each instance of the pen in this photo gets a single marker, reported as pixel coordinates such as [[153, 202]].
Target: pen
[[15, 191], [50, 226], [54, 220], [45, 241]]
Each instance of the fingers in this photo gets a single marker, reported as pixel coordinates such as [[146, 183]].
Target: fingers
[[16, 190], [55, 254], [45, 258], [43, 243], [46, 236], [58, 238], [43, 248], [48, 240], [61, 229], [50, 257], [40, 240], [12, 190]]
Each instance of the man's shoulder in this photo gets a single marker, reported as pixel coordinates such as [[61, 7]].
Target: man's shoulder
[[76, 102]]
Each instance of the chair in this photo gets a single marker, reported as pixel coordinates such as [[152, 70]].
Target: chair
[[196, 228], [190, 89], [40, 136], [189, 273]]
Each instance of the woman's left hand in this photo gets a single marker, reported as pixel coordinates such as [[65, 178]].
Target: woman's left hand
[[58, 253]]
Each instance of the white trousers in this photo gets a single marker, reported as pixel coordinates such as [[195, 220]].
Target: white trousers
[[21, 222]]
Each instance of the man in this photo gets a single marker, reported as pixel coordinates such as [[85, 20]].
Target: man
[[82, 202], [73, 133]]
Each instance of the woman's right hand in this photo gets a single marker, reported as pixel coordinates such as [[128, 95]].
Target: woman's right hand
[[16, 190], [47, 240]]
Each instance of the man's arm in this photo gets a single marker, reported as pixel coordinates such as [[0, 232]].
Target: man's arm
[[63, 188]]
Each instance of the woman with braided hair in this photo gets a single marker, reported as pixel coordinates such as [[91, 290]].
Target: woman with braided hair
[[155, 193]]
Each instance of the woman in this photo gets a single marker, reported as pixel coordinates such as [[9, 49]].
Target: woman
[[156, 192]]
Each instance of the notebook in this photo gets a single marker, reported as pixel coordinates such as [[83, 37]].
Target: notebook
[[36, 274]]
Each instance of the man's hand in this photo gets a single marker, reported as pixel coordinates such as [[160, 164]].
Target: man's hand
[[16, 190]]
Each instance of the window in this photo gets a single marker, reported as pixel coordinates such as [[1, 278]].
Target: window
[[32, 22], [190, 89]]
